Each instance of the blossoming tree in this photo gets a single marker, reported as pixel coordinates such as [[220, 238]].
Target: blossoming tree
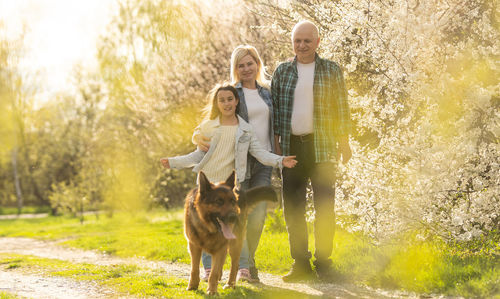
[[424, 93]]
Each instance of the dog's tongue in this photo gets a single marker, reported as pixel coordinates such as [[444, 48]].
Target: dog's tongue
[[226, 230]]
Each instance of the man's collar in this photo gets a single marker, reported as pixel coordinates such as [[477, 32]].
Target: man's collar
[[317, 59]]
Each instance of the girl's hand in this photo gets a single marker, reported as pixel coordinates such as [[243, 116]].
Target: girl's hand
[[289, 161], [164, 162]]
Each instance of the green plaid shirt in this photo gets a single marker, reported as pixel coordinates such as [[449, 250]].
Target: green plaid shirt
[[331, 110]]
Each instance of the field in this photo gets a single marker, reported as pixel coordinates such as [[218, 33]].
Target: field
[[429, 267]]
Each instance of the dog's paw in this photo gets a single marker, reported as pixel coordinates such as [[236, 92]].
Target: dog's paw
[[212, 293], [228, 286], [192, 286]]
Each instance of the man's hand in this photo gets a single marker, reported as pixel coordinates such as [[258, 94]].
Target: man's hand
[[165, 163], [202, 141], [344, 150], [289, 161]]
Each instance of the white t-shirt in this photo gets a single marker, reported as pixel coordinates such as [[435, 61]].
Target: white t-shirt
[[258, 116], [303, 100]]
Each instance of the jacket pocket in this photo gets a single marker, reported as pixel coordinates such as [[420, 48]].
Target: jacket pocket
[[245, 138], [243, 144]]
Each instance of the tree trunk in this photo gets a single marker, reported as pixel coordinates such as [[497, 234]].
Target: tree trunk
[[16, 181]]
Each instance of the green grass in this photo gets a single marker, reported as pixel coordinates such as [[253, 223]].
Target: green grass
[[132, 280], [24, 210], [158, 236], [5, 295], [410, 264]]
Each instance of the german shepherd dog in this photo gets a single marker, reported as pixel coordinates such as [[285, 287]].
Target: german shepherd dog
[[215, 221]]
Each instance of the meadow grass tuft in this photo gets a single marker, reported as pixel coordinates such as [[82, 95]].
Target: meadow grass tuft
[[5, 295]]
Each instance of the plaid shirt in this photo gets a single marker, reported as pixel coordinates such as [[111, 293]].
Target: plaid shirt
[[331, 116]]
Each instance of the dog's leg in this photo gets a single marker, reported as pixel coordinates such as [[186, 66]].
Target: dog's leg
[[195, 252], [218, 260], [234, 251]]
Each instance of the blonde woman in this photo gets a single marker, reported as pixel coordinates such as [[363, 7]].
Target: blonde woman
[[250, 80]]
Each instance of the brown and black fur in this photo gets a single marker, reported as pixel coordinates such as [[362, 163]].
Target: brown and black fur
[[203, 206]]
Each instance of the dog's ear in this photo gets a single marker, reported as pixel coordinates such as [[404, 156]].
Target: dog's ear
[[203, 183], [231, 180]]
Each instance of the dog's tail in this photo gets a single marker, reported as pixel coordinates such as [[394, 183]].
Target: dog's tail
[[249, 198]]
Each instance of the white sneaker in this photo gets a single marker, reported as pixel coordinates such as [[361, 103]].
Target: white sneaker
[[244, 275]]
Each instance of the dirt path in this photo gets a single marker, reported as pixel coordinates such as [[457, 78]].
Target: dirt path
[[50, 287], [23, 216], [36, 286]]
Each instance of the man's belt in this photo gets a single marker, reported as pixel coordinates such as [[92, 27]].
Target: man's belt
[[303, 138]]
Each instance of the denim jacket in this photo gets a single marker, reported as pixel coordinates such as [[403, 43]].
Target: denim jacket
[[246, 142]]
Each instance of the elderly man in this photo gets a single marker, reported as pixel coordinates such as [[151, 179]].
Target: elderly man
[[311, 121]]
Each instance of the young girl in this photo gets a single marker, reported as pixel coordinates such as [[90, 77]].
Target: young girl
[[232, 138], [255, 106]]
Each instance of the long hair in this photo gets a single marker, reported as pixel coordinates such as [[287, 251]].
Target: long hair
[[241, 51], [211, 110]]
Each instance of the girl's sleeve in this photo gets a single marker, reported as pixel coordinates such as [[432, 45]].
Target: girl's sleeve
[[263, 156], [186, 161]]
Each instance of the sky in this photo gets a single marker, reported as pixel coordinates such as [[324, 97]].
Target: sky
[[60, 34]]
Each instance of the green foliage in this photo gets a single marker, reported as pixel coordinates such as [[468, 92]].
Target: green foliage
[[171, 188], [66, 199], [9, 51]]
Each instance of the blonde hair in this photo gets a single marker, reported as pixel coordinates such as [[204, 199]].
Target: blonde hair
[[241, 51]]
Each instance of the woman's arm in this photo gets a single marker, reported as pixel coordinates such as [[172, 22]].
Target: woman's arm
[[201, 141]]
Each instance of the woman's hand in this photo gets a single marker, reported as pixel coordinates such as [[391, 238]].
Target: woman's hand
[[202, 141], [164, 162], [289, 161]]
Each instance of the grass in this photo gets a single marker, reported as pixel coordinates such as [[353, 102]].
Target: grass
[[132, 280], [5, 295], [409, 264], [24, 210]]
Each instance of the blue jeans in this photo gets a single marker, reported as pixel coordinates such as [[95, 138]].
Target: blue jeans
[[260, 176]]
